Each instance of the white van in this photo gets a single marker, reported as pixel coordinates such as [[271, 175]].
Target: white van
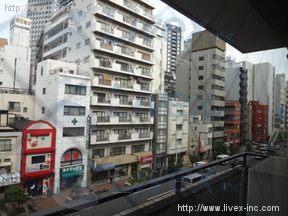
[[193, 177], [219, 157], [199, 163]]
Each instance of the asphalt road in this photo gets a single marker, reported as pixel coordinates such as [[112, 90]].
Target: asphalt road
[[144, 196]]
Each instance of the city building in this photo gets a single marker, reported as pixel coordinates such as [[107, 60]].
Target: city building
[[280, 100], [177, 130], [232, 123], [38, 157], [39, 12], [238, 88], [201, 79], [15, 57], [63, 99], [200, 137], [174, 37], [263, 89], [286, 110], [115, 45], [259, 121]]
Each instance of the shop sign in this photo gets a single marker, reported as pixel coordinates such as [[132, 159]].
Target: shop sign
[[146, 159], [72, 169]]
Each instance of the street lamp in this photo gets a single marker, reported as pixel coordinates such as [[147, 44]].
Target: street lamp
[[137, 157]]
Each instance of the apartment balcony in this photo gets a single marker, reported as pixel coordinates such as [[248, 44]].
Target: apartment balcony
[[218, 113], [142, 136], [115, 67], [218, 72], [143, 104], [218, 93], [218, 134], [56, 48], [218, 82], [99, 139], [218, 103], [134, 8], [124, 136], [57, 35], [218, 62], [102, 101], [125, 120], [218, 123]]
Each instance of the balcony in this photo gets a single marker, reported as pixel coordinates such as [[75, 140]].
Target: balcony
[[144, 136], [218, 123], [218, 82], [125, 120], [218, 113], [102, 138], [218, 134], [144, 119], [218, 103], [99, 139], [218, 93], [124, 136]]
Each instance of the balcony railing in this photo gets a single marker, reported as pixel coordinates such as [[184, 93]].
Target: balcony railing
[[124, 119], [103, 119], [144, 135], [146, 73], [103, 100], [105, 82], [126, 68], [145, 88], [107, 29], [124, 102], [102, 138], [105, 64], [106, 46], [124, 136], [144, 103], [144, 119], [122, 85]]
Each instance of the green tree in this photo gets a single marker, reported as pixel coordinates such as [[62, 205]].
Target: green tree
[[218, 147], [171, 164], [234, 150], [15, 196], [194, 158], [75, 189]]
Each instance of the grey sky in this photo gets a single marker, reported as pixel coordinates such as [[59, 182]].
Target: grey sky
[[164, 14]]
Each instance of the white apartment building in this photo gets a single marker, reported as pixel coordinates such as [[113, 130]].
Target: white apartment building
[[200, 133], [15, 57], [201, 79], [113, 42], [63, 99], [177, 131], [280, 98]]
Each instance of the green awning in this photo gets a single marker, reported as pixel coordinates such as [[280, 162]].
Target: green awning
[[67, 175]]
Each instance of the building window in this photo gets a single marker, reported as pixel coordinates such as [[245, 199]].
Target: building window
[[201, 58], [38, 159], [77, 61], [200, 87], [200, 97], [79, 28], [6, 160], [259, 111], [71, 157], [74, 111], [200, 107], [42, 70], [259, 125], [200, 77], [74, 89], [5, 145], [98, 153], [117, 150], [87, 41], [88, 24], [43, 110], [201, 67], [80, 13], [0, 82], [73, 131], [78, 45], [178, 127], [138, 148], [86, 59], [44, 91], [14, 106], [25, 109]]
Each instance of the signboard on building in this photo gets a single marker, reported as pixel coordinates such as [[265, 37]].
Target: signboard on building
[[146, 159], [38, 162], [72, 169]]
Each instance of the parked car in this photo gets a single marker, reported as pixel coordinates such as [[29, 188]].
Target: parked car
[[219, 157], [199, 163], [263, 147], [194, 177], [276, 147], [236, 162]]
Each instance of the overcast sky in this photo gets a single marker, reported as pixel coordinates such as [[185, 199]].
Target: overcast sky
[[164, 14]]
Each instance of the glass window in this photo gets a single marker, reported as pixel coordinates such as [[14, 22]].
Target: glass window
[[74, 89], [98, 153], [38, 159], [117, 151], [14, 106], [71, 157], [138, 148], [76, 111], [201, 67], [5, 145], [73, 131], [88, 24]]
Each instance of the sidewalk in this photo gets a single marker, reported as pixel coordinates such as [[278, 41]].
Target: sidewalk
[[43, 203]]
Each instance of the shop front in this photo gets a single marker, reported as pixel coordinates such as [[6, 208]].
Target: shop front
[[71, 175], [146, 161], [101, 172]]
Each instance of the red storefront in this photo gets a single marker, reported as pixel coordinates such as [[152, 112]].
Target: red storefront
[[38, 157], [259, 126]]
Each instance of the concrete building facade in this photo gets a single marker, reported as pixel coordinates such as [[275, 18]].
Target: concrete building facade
[[201, 79], [280, 100]]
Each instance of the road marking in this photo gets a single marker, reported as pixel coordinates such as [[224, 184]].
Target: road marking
[[160, 194], [146, 189]]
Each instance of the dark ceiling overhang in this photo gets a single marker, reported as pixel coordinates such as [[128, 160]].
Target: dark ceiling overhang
[[247, 25]]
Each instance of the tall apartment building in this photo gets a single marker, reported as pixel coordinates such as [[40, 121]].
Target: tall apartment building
[[40, 12], [237, 86], [259, 121], [263, 89], [113, 43], [280, 99], [174, 37], [232, 123], [201, 79], [15, 57], [286, 109]]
